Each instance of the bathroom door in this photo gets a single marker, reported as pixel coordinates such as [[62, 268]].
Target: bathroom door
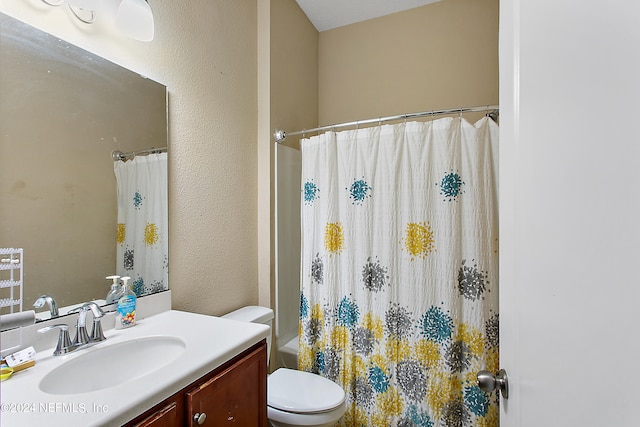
[[570, 212]]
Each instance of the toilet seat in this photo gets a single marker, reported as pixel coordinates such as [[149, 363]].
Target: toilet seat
[[301, 392]]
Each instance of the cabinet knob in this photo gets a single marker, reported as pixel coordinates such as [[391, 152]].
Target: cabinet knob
[[200, 418]]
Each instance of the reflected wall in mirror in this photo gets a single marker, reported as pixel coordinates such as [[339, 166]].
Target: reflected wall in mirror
[[63, 111]]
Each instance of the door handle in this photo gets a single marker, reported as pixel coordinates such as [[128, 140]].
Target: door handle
[[489, 382]]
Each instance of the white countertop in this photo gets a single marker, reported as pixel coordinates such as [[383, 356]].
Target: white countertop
[[210, 342]]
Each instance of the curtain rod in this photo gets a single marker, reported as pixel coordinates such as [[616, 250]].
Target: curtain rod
[[119, 155], [280, 135]]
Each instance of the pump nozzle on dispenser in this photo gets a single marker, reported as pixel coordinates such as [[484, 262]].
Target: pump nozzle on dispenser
[[112, 296]]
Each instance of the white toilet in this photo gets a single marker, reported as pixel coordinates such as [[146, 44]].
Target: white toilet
[[295, 398]]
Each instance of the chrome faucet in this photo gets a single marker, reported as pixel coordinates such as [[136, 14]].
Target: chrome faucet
[[96, 331], [53, 307], [82, 339]]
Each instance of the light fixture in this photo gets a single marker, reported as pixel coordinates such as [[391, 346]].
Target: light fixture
[[85, 4], [135, 19], [85, 10]]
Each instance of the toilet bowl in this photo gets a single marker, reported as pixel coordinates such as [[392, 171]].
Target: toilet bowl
[[295, 398]]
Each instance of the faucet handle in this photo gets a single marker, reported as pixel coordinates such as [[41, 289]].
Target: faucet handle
[[95, 309], [96, 331], [64, 345], [81, 328]]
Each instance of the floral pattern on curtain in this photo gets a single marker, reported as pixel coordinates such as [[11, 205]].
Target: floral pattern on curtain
[[142, 234], [399, 301]]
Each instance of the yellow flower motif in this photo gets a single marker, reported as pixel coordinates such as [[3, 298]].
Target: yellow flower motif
[[493, 360], [380, 361], [357, 368], [398, 350], [442, 388], [428, 353], [374, 324], [355, 416], [419, 239], [317, 313], [150, 234], [334, 237], [305, 358], [472, 337], [491, 418], [390, 403], [121, 233], [339, 337]]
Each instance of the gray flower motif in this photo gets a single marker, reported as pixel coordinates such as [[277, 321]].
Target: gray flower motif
[[412, 380], [492, 331], [362, 393], [471, 282], [458, 356], [455, 414], [317, 270], [313, 332], [398, 322], [332, 364], [363, 341], [374, 276]]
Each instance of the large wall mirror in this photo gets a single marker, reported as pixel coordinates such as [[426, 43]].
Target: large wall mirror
[[63, 111]]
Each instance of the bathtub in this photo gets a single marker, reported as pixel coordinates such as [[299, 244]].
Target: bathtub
[[288, 354]]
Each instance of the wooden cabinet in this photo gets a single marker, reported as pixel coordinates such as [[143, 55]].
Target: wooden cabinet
[[234, 393]]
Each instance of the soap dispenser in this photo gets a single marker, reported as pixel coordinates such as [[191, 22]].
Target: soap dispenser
[[126, 311], [112, 296]]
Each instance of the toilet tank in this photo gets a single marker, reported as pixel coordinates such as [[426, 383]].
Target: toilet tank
[[254, 314]]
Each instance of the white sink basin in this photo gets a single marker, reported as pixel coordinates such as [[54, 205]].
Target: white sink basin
[[112, 365]]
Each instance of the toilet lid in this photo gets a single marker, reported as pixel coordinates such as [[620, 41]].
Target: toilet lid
[[302, 392]]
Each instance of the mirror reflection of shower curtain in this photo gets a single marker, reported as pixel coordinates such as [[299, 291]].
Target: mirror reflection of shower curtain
[[142, 230], [399, 297]]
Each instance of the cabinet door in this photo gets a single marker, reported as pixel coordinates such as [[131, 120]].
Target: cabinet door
[[164, 417], [236, 395]]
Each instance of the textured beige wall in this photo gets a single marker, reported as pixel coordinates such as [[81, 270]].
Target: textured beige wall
[[294, 69], [206, 55], [442, 55], [292, 104]]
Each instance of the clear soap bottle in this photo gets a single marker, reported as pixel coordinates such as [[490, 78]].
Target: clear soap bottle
[[126, 311], [112, 296]]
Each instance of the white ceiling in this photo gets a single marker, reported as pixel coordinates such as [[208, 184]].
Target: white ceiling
[[328, 14]]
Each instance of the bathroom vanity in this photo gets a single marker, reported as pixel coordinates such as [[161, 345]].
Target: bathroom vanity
[[172, 369], [234, 393]]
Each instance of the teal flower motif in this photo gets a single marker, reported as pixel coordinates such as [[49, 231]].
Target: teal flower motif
[[476, 400], [451, 186], [137, 200], [304, 306], [138, 286], [348, 313], [359, 191], [310, 192], [436, 325], [378, 380]]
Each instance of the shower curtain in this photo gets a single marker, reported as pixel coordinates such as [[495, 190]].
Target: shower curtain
[[142, 234], [399, 301]]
